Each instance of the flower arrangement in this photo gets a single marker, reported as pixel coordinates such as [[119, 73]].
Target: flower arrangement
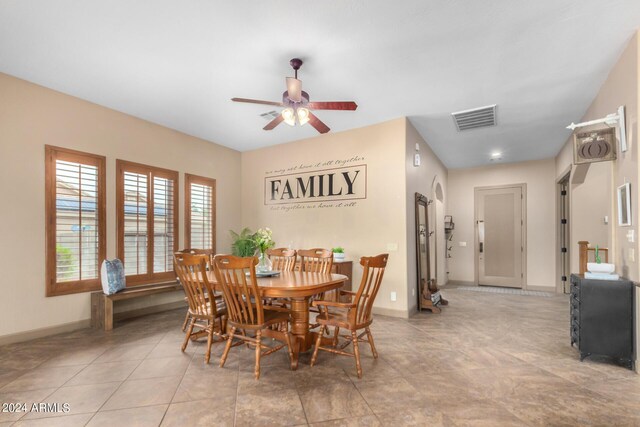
[[263, 239], [338, 250]]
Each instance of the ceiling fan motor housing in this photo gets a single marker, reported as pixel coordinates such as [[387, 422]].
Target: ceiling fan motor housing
[[288, 102]]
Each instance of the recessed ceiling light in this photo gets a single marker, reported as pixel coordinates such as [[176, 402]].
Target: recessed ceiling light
[[496, 155]]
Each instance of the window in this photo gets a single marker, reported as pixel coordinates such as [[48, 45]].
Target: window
[[147, 221], [75, 220], [200, 212]]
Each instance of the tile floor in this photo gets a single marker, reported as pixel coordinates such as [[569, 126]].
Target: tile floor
[[488, 359]]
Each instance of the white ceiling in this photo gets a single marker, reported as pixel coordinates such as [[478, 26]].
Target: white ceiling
[[177, 63]]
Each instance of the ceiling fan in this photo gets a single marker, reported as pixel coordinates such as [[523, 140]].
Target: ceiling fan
[[297, 104]]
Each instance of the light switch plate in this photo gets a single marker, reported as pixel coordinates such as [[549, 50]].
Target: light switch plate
[[462, 244], [631, 236], [394, 296]]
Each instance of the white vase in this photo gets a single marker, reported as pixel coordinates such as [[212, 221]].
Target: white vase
[[338, 256], [264, 263]]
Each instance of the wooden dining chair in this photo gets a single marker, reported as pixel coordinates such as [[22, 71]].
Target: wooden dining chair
[[208, 315], [354, 315], [237, 277], [316, 260], [210, 254], [283, 259]]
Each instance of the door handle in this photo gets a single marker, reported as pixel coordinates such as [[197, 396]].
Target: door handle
[[481, 247], [480, 236]]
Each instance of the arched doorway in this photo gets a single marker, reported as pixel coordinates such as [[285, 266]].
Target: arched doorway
[[438, 241]]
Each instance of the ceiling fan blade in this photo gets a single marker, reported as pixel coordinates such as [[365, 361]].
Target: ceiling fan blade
[[333, 105], [273, 123], [256, 101], [294, 88], [317, 123]]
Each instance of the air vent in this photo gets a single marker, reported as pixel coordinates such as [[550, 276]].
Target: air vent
[[270, 115], [475, 118]]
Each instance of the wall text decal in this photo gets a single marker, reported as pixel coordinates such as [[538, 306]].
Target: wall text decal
[[323, 185]]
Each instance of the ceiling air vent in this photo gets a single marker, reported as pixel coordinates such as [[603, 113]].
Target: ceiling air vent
[[270, 115], [475, 118]]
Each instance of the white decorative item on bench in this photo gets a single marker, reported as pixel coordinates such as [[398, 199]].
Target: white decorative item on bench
[[600, 271], [603, 267], [112, 276]]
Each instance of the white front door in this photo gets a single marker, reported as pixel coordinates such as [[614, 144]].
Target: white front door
[[499, 224]]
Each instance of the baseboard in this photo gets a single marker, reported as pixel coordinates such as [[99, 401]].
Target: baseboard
[[550, 289], [85, 323], [391, 312], [44, 332], [460, 283]]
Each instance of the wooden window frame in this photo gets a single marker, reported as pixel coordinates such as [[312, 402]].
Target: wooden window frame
[[201, 180], [52, 153], [151, 172]]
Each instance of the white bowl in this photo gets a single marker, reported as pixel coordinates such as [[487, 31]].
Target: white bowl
[[594, 267]]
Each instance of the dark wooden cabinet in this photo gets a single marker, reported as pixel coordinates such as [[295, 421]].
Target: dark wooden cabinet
[[602, 318], [346, 268]]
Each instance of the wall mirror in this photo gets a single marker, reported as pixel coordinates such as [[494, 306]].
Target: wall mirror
[[624, 205], [427, 292]]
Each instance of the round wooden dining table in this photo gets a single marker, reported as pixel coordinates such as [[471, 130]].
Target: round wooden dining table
[[299, 287]]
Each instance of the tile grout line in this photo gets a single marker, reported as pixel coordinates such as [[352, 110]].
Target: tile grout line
[[235, 403], [193, 355], [360, 394], [121, 383]]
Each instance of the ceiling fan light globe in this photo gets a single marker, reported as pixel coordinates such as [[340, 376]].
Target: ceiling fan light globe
[[303, 116], [289, 116]]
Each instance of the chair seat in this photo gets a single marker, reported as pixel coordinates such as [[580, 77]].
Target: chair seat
[[221, 308], [334, 318], [270, 317]]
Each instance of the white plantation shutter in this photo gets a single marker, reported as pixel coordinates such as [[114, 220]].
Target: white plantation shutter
[[75, 220], [163, 224], [147, 221], [135, 223], [200, 212]]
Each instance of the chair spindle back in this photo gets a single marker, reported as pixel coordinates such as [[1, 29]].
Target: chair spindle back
[[369, 286], [208, 252], [283, 259], [192, 272], [241, 293], [316, 260]]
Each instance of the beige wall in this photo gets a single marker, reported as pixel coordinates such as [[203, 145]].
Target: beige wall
[[421, 180], [620, 88], [587, 215], [364, 229], [32, 116], [539, 179], [599, 189]]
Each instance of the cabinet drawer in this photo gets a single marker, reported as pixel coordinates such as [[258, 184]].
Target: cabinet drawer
[[575, 330]]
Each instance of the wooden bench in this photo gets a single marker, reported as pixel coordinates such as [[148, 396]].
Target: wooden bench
[[102, 305]]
